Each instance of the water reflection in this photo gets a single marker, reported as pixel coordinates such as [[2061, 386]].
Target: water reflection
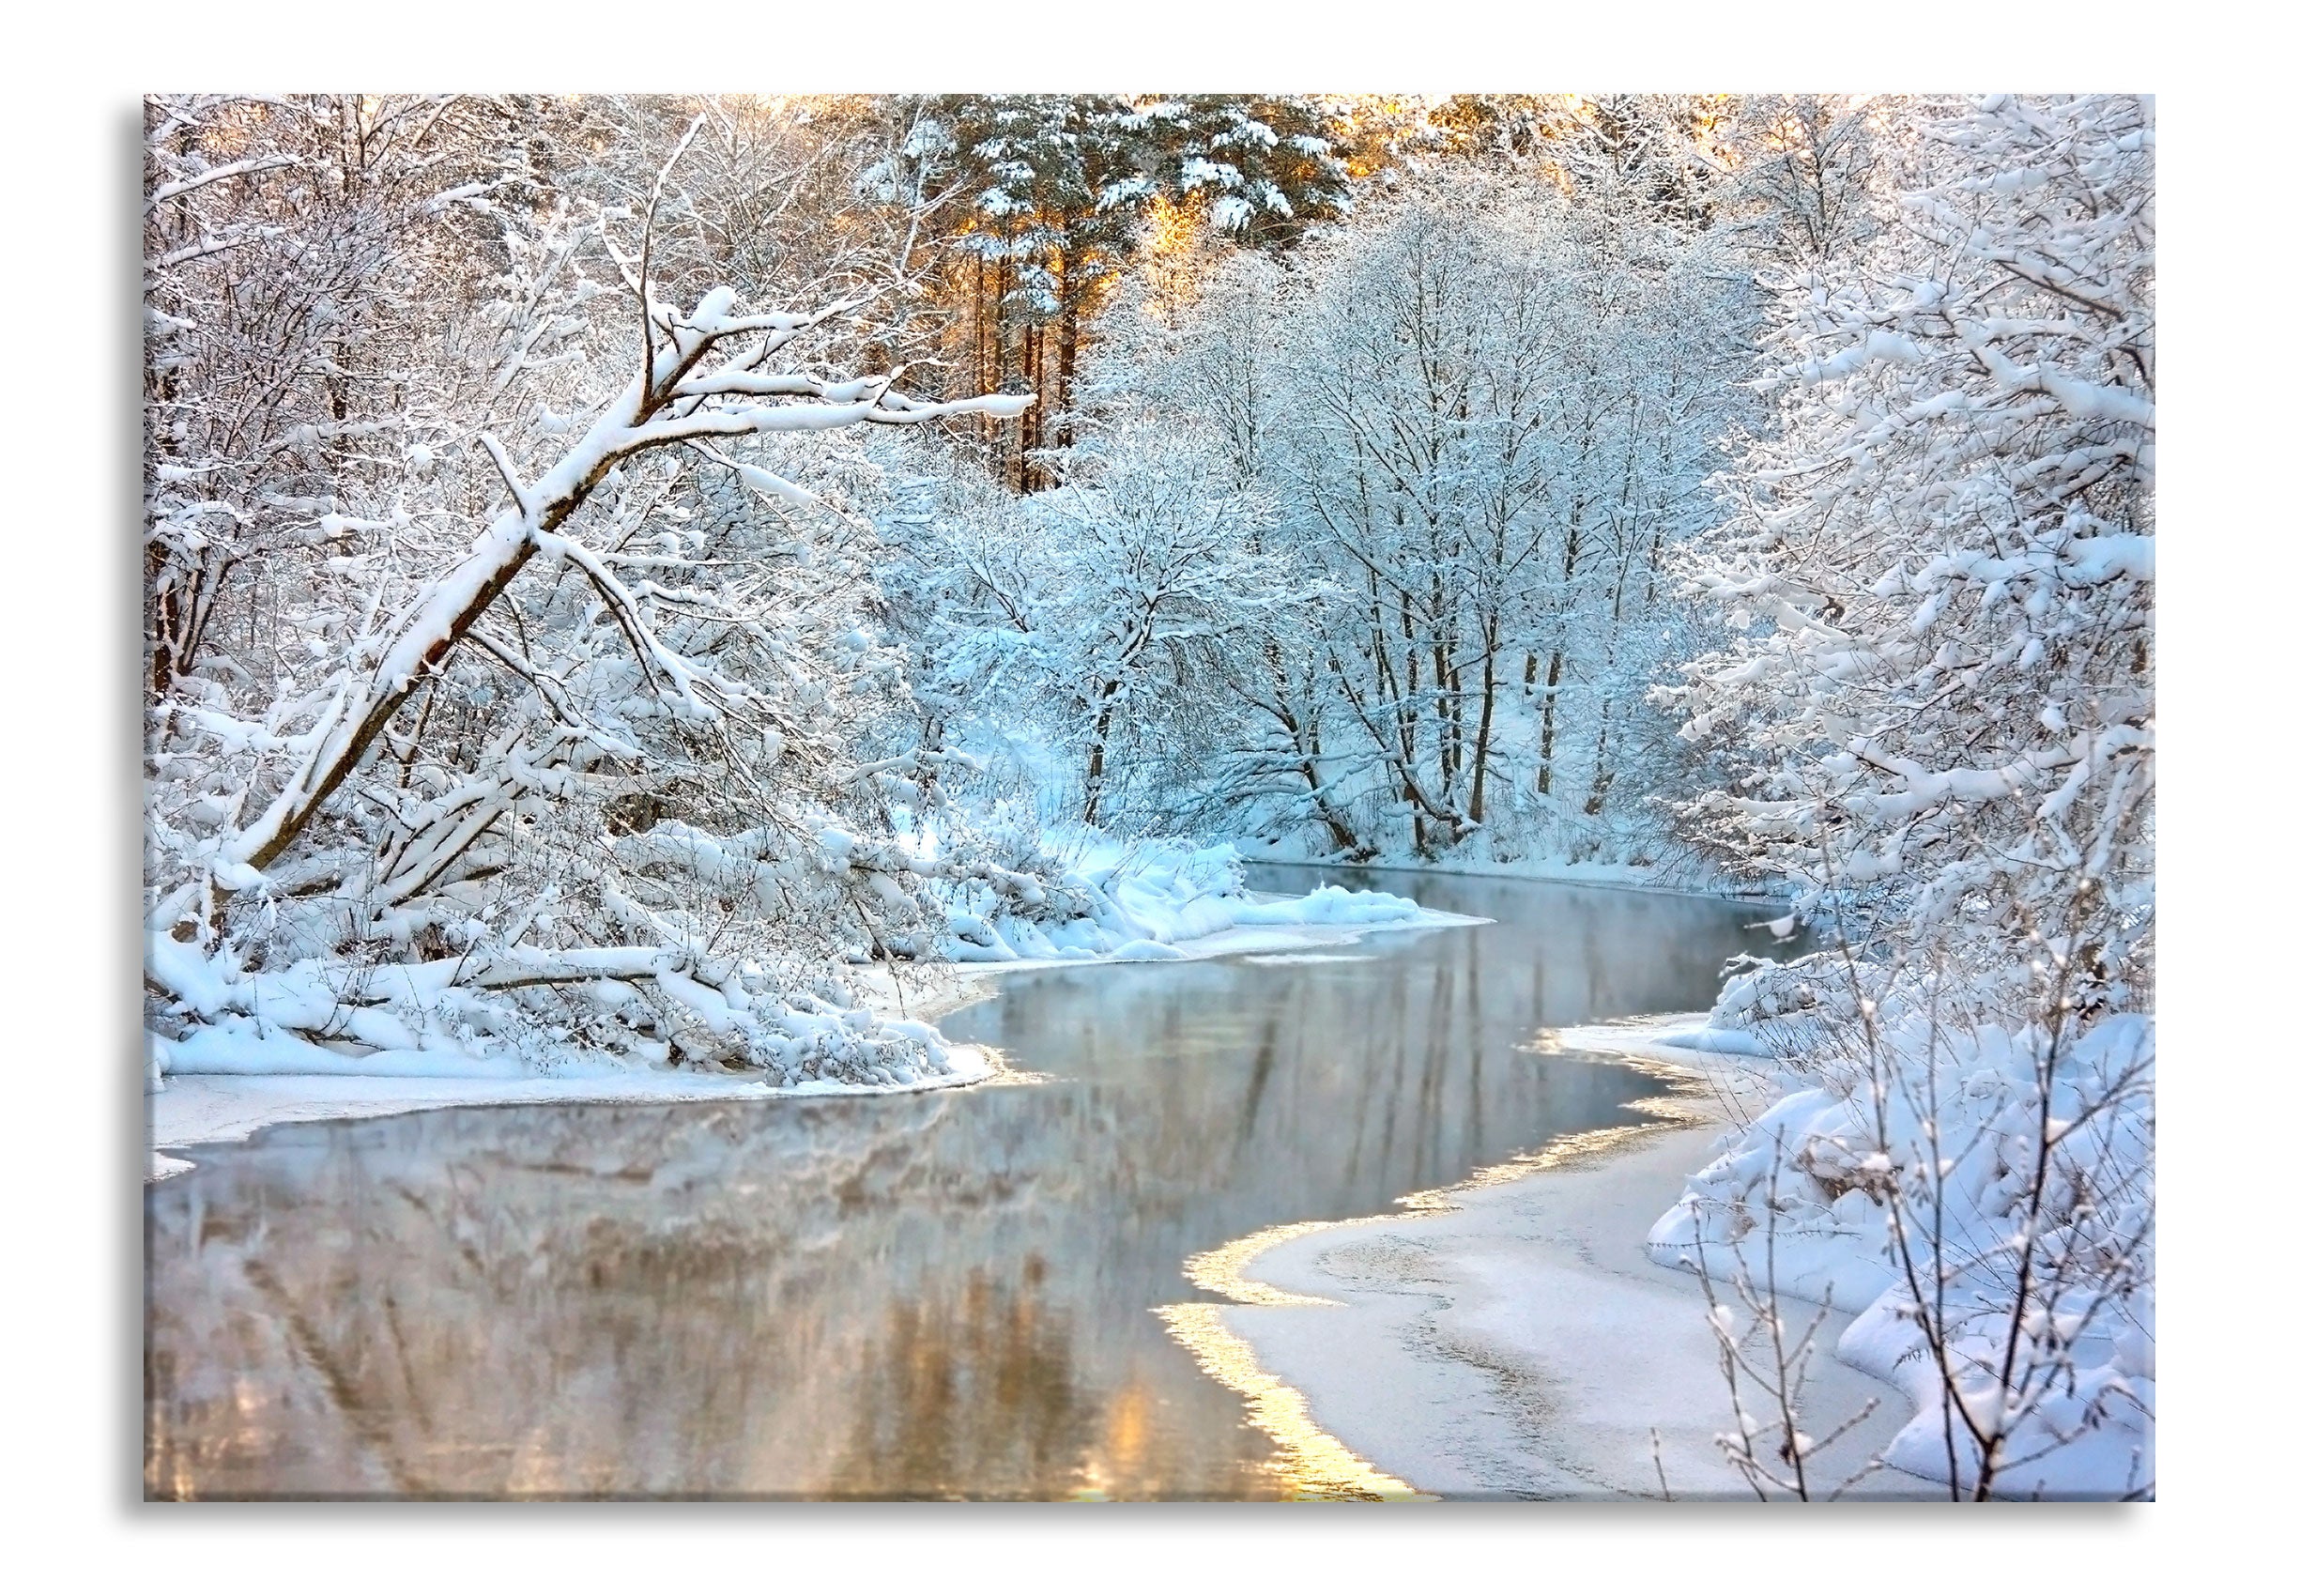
[[950, 1294]]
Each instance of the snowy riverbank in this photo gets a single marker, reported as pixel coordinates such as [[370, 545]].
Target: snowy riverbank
[[1516, 1338], [1545, 1328], [1942, 1183], [1560, 872], [193, 1108]]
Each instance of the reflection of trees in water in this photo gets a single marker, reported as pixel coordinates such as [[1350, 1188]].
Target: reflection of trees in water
[[1318, 1084], [513, 1302], [932, 1294], [982, 1389], [644, 1300], [976, 1392]]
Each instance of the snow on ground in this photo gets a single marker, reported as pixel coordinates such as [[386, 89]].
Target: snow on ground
[[199, 1109], [1277, 927], [1150, 898], [1520, 1343], [212, 1095], [1566, 872], [1729, 1067], [2089, 1433]]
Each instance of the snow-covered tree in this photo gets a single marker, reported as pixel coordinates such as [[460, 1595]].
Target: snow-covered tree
[[1479, 417], [1940, 709], [1041, 200], [545, 749], [1106, 613]]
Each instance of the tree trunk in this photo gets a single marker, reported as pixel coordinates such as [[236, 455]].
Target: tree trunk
[[499, 568], [1065, 364], [1485, 723], [1092, 813], [1337, 825], [1304, 736], [1448, 680], [1549, 715], [1603, 778]]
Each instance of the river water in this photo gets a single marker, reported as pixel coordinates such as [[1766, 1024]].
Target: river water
[[960, 1294]]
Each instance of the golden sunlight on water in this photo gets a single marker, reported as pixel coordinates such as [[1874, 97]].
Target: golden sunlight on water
[[1316, 1465], [1221, 1269]]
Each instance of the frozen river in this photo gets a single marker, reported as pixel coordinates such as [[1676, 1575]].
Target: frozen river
[[976, 1293]]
